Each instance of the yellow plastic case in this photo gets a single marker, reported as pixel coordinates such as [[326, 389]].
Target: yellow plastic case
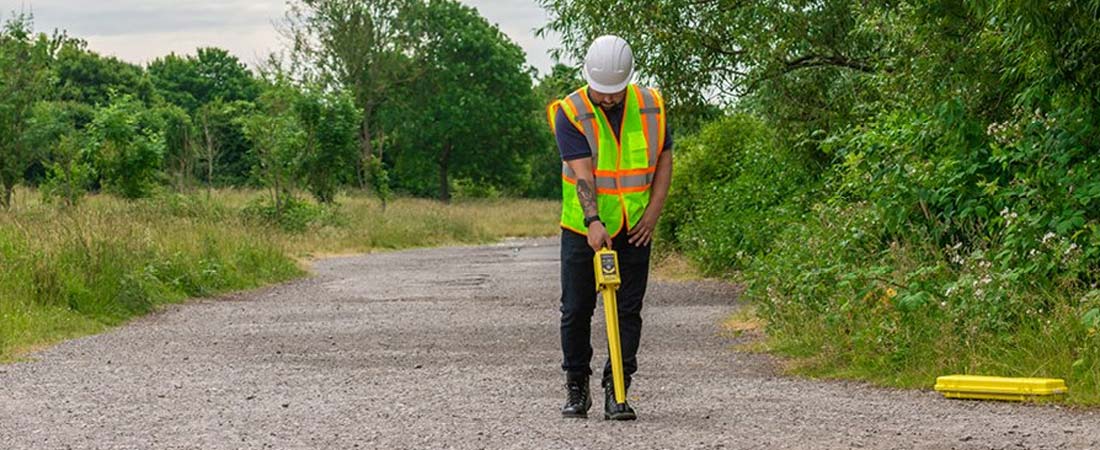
[[1000, 388]]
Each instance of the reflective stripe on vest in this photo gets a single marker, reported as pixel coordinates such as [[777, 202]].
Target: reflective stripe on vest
[[624, 166]]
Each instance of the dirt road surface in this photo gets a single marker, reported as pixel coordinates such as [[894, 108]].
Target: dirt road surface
[[458, 348]]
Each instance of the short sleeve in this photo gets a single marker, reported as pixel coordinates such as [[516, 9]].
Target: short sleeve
[[571, 142]]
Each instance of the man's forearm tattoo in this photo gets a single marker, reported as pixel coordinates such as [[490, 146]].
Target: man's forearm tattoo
[[587, 196]]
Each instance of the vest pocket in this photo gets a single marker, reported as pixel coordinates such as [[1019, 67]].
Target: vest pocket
[[635, 155]]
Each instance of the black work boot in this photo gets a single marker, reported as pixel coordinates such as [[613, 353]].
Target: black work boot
[[613, 410], [578, 401]]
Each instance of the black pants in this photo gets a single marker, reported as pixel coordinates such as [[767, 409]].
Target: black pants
[[578, 301]]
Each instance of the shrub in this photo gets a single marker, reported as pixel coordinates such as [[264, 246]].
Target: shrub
[[294, 216], [733, 187], [126, 147]]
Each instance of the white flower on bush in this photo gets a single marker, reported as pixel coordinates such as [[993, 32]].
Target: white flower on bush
[[1071, 248], [1047, 237]]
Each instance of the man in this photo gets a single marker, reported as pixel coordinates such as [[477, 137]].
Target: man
[[615, 177]]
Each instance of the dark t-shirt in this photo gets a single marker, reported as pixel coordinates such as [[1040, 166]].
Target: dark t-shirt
[[573, 145]]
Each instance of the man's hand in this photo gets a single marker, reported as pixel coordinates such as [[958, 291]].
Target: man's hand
[[642, 233], [598, 237]]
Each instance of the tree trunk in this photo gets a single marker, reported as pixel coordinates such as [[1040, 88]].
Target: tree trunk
[[186, 170], [444, 185], [381, 148], [8, 189], [276, 187], [210, 154], [366, 148]]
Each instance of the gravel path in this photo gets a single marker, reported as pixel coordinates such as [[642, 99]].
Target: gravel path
[[458, 348]]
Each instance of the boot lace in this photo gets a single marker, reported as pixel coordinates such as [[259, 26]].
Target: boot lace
[[576, 394]]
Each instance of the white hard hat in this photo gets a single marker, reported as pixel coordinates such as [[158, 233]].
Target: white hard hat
[[609, 64]]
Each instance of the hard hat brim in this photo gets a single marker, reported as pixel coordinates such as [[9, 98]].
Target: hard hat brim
[[608, 89]]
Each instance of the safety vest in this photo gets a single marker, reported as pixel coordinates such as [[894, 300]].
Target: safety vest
[[624, 167]]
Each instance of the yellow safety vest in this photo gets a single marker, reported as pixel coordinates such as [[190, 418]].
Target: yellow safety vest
[[624, 166]]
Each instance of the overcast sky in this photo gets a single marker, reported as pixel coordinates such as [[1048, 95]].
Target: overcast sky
[[142, 30]]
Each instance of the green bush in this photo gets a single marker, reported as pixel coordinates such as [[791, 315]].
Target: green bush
[[126, 146], [941, 240], [67, 176], [734, 185], [946, 246], [294, 216]]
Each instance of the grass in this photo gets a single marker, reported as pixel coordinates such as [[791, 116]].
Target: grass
[[72, 272], [674, 266], [828, 323]]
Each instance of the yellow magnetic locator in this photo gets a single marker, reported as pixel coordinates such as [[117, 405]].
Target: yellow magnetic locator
[[607, 283]]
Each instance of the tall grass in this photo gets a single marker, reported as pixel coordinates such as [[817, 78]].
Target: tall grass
[[67, 272], [904, 315]]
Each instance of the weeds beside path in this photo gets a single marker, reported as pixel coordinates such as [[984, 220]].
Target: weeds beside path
[[71, 272]]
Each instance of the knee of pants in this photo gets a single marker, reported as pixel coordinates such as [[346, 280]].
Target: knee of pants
[[574, 313]]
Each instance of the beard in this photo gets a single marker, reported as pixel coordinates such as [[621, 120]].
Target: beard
[[611, 106]]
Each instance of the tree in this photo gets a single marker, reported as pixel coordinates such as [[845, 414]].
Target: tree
[[68, 174], [126, 144], [224, 151], [805, 64], [180, 155], [177, 81], [276, 141], [212, 74], [359, 46], [86, 77], [58, 129], [473, 114], [24, 60], [330, 122], [209, 147]]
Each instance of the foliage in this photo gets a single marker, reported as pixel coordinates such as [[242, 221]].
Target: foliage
[[474, 104], [86, 77], [330, 122], [23, 61], [800, 59], [211, 74], [58, 126], [358, 46], [179, 155], [276, 139], [68, 174], [68, 272], [378, 63], [126, 147], [224, 151], [953, 227], [733, 187], [73, 271], [292, 215]]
